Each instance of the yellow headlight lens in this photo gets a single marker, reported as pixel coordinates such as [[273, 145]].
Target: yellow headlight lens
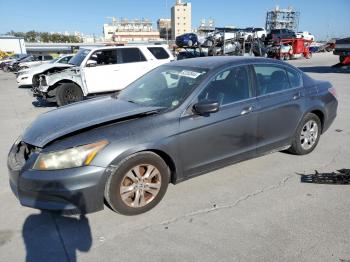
[[69, 158]]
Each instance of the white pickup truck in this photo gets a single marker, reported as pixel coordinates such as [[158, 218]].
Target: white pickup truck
[[99, 70]]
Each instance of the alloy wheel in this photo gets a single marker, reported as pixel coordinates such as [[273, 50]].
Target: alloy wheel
[[309, 134], [140, 185]]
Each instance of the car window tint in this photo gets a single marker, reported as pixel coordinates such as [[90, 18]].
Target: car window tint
[[130, 55], [48, 57], [271, 79], [228, 86], [104, 57], [158, 52], [294, 78]]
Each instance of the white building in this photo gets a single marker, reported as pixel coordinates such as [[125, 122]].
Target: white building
[[125, 30], [181, 18], [12, 44]]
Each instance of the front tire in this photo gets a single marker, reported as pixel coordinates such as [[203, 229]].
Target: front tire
[[307, 135], [138, 184], [68, 93]]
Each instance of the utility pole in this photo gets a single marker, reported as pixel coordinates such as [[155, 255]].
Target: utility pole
[[166, 26]]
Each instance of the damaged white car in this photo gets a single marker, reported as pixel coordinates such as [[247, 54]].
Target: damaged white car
[[98, 71]]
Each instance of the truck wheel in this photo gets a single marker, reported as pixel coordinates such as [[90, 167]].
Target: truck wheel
[[68, 93], [341, 59], [308, 55]]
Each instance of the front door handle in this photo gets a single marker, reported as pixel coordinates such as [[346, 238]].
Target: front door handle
[[296, 96], [247, 110]]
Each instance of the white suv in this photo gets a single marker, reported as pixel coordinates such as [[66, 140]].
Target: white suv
[[100, 70]]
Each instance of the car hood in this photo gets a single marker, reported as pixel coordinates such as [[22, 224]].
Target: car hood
[[44, 67], [81, 116]]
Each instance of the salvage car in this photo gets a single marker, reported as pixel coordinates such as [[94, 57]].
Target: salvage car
[[306, 35], [35, 61], [278, 34], [176, 122], [25, 76], [189, 39], [99, 71]]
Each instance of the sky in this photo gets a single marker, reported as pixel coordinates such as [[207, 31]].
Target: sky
[[323, 18]]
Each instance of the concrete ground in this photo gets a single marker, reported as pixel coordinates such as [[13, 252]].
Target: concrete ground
[[256, 210]]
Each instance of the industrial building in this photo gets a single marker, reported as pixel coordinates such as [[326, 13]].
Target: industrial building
[[181, 18], [164, 28], [125, 30], [206, 26], [279, 18]]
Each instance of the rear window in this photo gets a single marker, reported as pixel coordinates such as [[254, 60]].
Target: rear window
[[130, 55], [294, 78], [158, 52]]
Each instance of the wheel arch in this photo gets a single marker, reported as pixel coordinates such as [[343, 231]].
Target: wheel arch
[[320, 114], [63, 81], [167, 158]]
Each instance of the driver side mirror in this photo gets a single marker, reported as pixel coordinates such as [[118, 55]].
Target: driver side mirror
[[91, 63], [206, 107]]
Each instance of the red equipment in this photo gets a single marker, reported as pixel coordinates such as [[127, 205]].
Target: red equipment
[[294, 48]]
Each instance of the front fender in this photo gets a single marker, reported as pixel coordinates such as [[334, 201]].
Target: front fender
[[164, 151]]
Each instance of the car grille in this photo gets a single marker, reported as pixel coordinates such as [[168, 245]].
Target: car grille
[[19, 155], [36, 81]]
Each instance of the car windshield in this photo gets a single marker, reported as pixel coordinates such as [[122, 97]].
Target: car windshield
[[79, 57], [53, 61], [165, 86]]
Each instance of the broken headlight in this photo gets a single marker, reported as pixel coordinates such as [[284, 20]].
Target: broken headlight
[[69, 158]]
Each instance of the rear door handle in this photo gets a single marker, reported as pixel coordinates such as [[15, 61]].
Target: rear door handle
[[247, 110]]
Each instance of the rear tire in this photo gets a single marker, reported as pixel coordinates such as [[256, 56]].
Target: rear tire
[[341, 59], [307, 135], [68, 93], [138, 184]]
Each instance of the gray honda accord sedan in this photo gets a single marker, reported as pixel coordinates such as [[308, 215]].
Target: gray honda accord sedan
[[178, 121]]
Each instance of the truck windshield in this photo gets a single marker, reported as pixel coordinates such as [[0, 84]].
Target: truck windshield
[[79, 57]]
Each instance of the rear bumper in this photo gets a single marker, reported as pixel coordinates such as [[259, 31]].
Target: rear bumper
[[70, 190]]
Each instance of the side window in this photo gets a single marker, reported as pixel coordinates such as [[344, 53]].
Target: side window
[[228, 86], [130, 55], [65, 60], [271, 79], [48, 57], [158, 52], [294, 78], [104, 57]]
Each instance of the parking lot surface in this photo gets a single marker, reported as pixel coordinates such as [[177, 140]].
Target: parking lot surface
[[257, 210]]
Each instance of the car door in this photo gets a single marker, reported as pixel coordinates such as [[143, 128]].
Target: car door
[[102, 76], [231, 133], [280, 104]]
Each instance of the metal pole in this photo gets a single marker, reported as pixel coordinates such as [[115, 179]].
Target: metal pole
[[166, 27]]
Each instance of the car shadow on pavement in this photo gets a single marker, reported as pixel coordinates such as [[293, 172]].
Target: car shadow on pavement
[[25, 86], [42, 103], [52, 236], [325, 69]]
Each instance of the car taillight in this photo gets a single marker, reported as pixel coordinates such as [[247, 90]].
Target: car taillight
[[333, 91]]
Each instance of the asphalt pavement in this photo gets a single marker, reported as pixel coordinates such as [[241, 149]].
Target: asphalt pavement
[[257, 210]]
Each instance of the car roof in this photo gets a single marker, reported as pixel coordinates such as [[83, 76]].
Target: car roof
[[213, 62], [122, 46]]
